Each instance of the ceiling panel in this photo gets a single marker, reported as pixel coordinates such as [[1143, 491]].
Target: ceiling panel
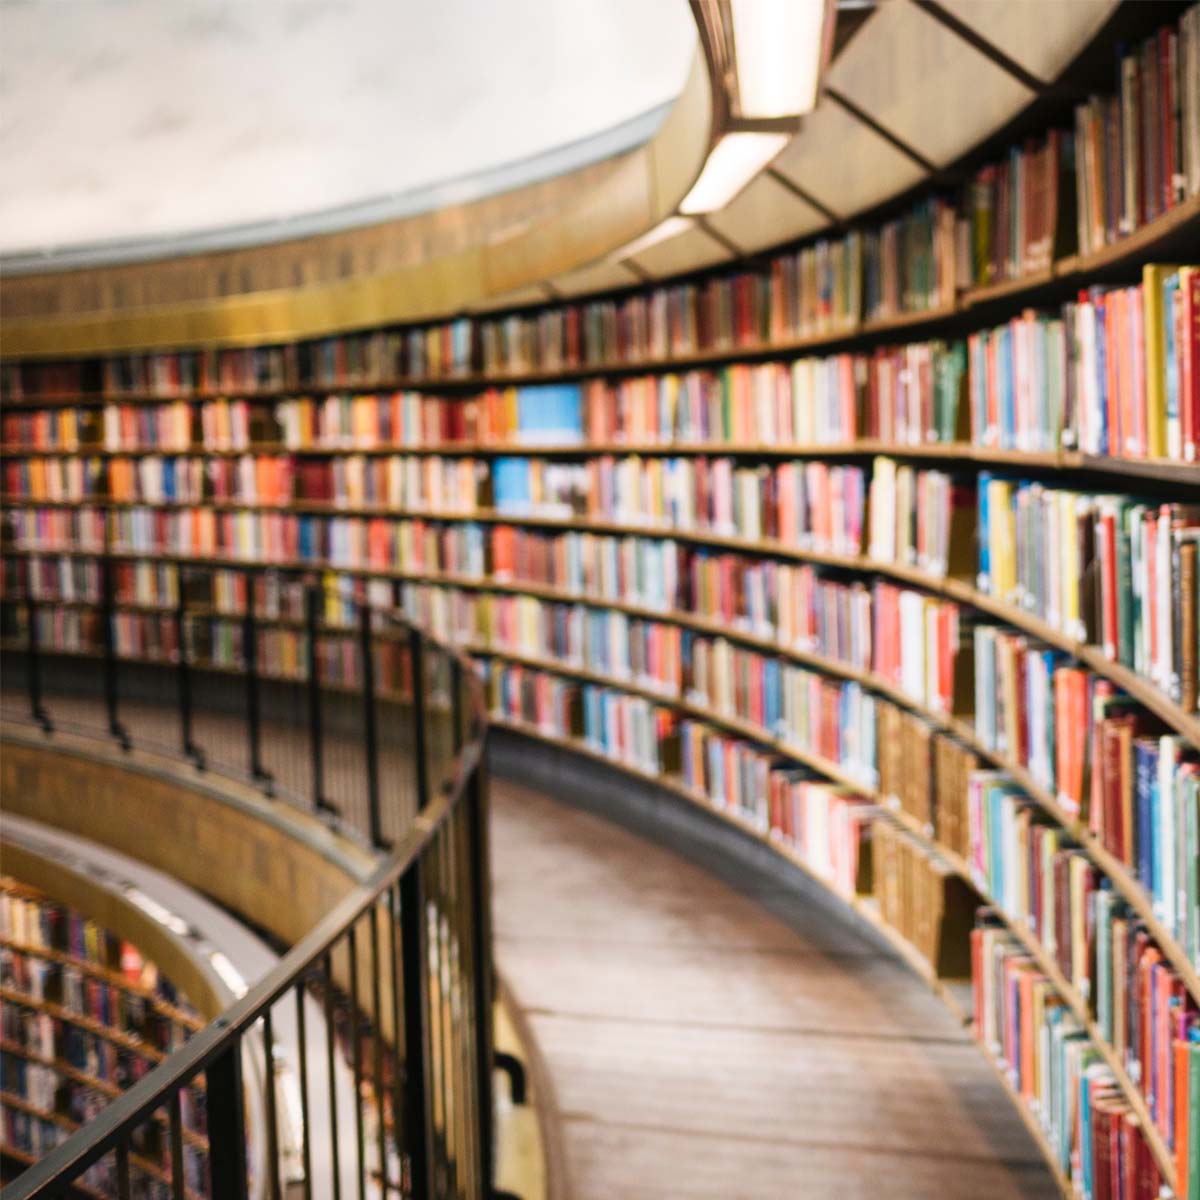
[[687, 251], [765, 214], [601, 277], [1042, 37], [844, 164], [925, 84], [536, 293]]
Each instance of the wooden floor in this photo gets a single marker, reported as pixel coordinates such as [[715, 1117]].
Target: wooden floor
[[699, 1046]]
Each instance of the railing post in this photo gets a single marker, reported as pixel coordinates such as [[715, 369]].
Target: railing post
[[183, 675], [456, 686], [414, 962], [419, 1091], [226, 1124], [420, 763], [110, 657], [312, 601], [370, 734], [36, 708], [258, 773], [481, 924]]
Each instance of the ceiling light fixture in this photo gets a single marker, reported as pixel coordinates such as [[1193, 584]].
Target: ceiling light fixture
[[732, 163], [671, 227], [780, 47]]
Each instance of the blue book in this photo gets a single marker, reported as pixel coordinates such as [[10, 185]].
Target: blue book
[[771, 683], [984, 582], [511, 485], [1007, 387], [550, 413], [1170, 289], [1107, 435], [168, 478], [1145, 778]]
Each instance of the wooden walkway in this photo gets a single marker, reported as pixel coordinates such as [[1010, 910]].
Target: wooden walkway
[[699, 1046]]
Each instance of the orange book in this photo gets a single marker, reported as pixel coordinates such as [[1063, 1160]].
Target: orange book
[[1181, 1065]]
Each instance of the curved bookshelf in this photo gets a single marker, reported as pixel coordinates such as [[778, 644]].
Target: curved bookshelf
[[950, 992], [1120, 874], [113, 978], [951, 588], [1122, 879], [971, 309]]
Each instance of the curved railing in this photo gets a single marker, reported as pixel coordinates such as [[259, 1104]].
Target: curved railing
[[326, 700]]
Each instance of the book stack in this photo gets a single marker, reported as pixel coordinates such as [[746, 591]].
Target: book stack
[[1138, 151], [1096, 1139], [922, 899], [1017, 215], [1122, 573]]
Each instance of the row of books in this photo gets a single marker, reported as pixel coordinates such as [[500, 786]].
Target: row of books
[[1108, 570], [33, 922], [1116, 372], [1138, 150], [1057, 1071], [920, 896], [76, 992], [1098, 541]]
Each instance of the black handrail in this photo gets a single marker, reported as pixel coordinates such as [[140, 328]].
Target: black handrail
[[419, 924]]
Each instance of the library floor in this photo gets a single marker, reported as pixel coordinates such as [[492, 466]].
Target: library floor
[[699, 1045]]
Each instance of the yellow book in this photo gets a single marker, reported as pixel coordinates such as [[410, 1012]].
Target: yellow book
[[1155, 334]]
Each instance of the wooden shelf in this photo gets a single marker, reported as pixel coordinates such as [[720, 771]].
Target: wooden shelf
[[27, 1160], [113, 978], [154, 1170], [960, 590], [117, 1037], [110, 1090], [1150, 469]]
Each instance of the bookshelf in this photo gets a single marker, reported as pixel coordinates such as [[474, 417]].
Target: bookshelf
[[942, 353], [85, 1015]]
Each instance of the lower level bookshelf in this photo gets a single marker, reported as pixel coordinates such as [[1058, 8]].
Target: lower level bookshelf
[[955, 989]]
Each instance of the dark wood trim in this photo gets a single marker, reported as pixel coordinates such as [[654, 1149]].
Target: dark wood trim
[[888, 136], [990, 51]]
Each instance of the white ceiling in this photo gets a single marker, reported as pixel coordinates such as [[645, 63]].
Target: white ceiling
[[128, 119]]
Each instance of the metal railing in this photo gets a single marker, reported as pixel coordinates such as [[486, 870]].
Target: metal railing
[[317, 694]]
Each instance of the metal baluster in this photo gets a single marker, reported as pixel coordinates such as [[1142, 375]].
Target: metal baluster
[[481, 949], [377, 1017], [227, 1124], [302, 1041], [175, 1119], [36, 708], [123, 1190], [258, 772], [312, 598], [399, 1107], [456, 687], [115, 727], [330, 1064], [416, 1027], [356, 1063], [420, 766], [190, 749], [272, 1122], [370, 733]]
